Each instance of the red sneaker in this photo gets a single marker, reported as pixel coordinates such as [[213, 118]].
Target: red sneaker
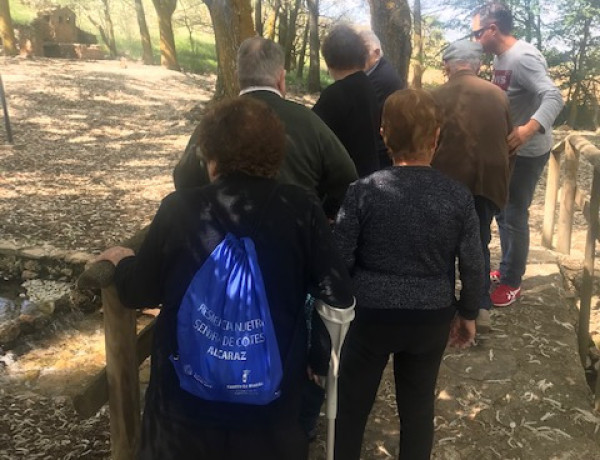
[[495, 277], [505, 295]]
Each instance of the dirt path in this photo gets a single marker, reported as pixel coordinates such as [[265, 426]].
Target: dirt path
[[96, 143]]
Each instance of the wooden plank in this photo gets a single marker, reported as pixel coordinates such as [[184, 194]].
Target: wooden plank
[[95, 394]]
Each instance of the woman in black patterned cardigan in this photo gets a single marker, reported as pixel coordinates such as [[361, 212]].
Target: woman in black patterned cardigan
[[399, 231]]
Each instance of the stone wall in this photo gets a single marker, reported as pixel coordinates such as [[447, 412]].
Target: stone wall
[[46, 262], [46, 280]]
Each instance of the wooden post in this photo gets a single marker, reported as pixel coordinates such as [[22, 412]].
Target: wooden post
[[567, 205], [588, 277], [122, 375], [551, 196], [583, 334], [9, 136]]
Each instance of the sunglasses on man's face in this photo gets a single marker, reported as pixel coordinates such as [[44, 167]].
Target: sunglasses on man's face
[[477, 34]]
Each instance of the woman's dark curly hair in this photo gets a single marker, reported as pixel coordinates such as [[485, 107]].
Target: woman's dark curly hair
[[242, 135]]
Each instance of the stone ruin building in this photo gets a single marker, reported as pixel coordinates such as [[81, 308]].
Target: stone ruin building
[[54, 33]]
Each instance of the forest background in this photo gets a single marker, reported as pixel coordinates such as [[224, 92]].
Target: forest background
[[201, 36]]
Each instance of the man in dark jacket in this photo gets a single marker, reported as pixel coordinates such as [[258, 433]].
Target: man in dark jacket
[[473, 147], [385, 81], [314, 159]]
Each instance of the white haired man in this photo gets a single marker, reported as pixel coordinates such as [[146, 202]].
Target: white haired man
[[383, 77]]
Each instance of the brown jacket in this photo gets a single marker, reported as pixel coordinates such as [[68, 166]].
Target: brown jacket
[[472, 147]]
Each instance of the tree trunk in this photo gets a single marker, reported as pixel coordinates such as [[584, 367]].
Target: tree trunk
[[391, 22], [272, 20], [595, 106], [258, 20], [110, 30], [190, 28], [314, 71], [417, 81], [283, 26], [302, 55], [291, 35], [538, 31], [168, 53], [579, 73], [529, 22], [7, 33], [232, 24], [147, 57]]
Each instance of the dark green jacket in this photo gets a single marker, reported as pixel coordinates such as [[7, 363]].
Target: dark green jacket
[[315, 159]]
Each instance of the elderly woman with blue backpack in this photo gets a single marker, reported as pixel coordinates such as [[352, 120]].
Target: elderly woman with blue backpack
[[231, 264]]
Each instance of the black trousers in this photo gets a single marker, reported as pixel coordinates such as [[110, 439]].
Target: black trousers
[[417, 350], [164, 440]]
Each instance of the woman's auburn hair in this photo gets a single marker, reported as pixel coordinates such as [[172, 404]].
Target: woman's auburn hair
[[409, 122], [242, 134]]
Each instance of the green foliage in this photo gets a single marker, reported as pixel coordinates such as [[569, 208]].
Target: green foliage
[[21, 13], [301, 85], [202, 59]]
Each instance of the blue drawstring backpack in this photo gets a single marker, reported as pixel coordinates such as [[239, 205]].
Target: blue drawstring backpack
[[227, 348]]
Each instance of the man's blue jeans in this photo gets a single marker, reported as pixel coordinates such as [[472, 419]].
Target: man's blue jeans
[[513, 220], [486, 210]]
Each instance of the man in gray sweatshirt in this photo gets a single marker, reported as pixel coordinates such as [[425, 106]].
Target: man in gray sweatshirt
[[535, 102]]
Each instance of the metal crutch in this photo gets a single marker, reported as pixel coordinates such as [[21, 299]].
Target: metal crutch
[[337, 322]]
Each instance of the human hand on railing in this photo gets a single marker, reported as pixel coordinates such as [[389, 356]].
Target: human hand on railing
[[114, 254], [462, 332]]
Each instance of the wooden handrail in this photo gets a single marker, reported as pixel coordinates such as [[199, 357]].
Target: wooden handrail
[[100, 274], [122, 359], [574, 146]]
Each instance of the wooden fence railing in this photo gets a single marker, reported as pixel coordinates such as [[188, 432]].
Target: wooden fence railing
[[118, 383], [573, 147]]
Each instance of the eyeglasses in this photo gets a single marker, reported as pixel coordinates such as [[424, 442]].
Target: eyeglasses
[[477, 34]]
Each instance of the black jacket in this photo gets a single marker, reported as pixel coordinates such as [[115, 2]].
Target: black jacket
[[349, 108], [385, 81], [296, 255]]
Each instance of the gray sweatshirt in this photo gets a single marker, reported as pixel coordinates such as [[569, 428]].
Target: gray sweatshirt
[[522, 72]]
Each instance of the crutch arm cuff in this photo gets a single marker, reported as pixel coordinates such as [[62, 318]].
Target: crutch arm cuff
[[335, 314]]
